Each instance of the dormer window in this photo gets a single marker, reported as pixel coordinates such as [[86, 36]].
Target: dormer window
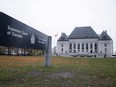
[[62, 38], [104, 37]]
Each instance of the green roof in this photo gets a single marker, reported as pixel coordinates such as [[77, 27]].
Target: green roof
[[63, 37], [83, 33], [104, 36]]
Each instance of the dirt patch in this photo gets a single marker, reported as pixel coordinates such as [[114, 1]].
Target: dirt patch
[[51, 75], [62, 75], [35, 73]]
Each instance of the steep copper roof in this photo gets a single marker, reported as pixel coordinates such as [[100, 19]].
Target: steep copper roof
[[104, 36], [63, 37], [83, 33]]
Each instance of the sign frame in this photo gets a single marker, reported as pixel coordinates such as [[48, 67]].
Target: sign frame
[[14, 33]]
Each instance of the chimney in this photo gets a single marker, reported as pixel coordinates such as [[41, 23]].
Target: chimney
[[61, 33], [106, 31]]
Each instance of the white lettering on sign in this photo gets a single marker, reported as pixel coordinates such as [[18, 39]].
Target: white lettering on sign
[[15, 32], [24, 33], [8, 32], [16, 35], [42, 41]]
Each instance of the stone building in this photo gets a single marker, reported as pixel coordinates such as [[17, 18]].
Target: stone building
[[84, 41]]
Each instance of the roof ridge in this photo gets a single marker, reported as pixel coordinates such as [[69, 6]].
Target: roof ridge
[[82, 26]]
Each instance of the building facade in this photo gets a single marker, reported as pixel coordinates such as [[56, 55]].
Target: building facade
[[84, 41]]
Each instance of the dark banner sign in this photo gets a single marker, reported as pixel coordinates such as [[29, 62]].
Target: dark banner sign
[[13, 33]]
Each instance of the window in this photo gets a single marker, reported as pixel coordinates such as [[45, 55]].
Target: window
[[78, 50], [82, 46], [70, 50], [105, 49], [62, 45], [74, 46], [91, 46], [100, 51], [95, 46], [86, 50], [91, 51], [78, 46], [70, 46], [74, 51], [86, 46], [95, 50], [82, 50], [105, 45], [61, 49]]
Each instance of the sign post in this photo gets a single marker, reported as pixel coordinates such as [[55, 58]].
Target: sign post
[[48, 52]]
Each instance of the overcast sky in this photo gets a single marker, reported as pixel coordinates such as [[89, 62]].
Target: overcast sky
[[56, 16]]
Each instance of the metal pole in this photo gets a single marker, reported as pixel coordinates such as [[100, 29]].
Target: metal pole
[[48, 52]]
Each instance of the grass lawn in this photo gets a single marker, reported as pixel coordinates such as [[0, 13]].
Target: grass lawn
[[29, 71]]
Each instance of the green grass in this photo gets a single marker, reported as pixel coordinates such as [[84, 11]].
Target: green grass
[[65, 72]]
